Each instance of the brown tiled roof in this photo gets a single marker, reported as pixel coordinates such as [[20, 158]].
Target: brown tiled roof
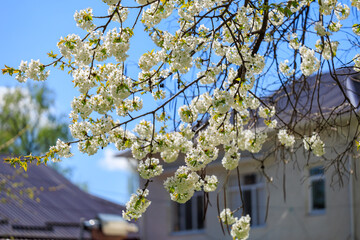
[[56, 209]]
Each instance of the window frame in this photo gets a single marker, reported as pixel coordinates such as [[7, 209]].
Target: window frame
[[315, 178], [255, 199], [194, 216]]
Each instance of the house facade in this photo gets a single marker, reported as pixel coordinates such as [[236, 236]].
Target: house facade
[[302, 201], [289, 193]]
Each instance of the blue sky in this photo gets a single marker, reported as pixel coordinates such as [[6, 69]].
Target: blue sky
[[30, 29]]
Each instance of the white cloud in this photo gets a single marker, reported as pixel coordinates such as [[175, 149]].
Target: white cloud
[[112, 163]]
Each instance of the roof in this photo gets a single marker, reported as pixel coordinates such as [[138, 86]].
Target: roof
[[309, 98], [50, 206]]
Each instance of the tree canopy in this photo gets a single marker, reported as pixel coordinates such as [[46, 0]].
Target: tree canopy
[[27, 123], [222, 74]]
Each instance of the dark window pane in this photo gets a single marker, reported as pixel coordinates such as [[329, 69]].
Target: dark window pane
[[318, 194], [247, 202], [177, 217], [188, 213], [316, 171], [260, 206], [249, 179], [200, 212]]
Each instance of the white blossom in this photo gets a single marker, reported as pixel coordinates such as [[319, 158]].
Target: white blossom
[[335, 26], [240, 229], [285, 68], [285, 138], [356, 60], [227, 217], [210, 183], [314, 144], [309, 63], [265, 112], [342, 11], [84, 19], [355, 3], [320, 29], [182, 185], [62, 149], [327, 50], [137, 205], [150, 168], [293, 41]]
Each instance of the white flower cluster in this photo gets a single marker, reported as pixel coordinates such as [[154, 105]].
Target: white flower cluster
[[251, 141], [327, 6], [197, 158], [293, 41], [73, 46], [240, 226], [34, 70], [286, 139], [61, 149], [202, 103], [83, 79], [314, 144], [144, 129], [120, 13], [209, 76], [309, 63], [342, 12], [129, 105], [356, 60], [320, 29], [160, 94], [171, 144], [150, 168], [121, 138], [183, 184], [335, 26], [110, 2], [142, 2], [231, 157], [153, 15], [227, 216], [356, 3], [285, 68], [267, 113], [187, 114], [117, 43], [356, 29], [114, 43], [151, 59], [210, 183], [84, 19], [222, 101], [137, 205], [327, 50], [276, 17]]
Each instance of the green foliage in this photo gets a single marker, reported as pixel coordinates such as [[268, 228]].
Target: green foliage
[[27, 125]]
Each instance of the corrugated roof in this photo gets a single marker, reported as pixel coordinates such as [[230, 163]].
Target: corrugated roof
[[55, 210]]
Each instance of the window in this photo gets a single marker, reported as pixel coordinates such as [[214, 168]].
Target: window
[[253, 193], [190, 215], [317, 190]]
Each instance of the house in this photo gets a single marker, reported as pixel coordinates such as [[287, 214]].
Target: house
[[288, 193], [42, 204]]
